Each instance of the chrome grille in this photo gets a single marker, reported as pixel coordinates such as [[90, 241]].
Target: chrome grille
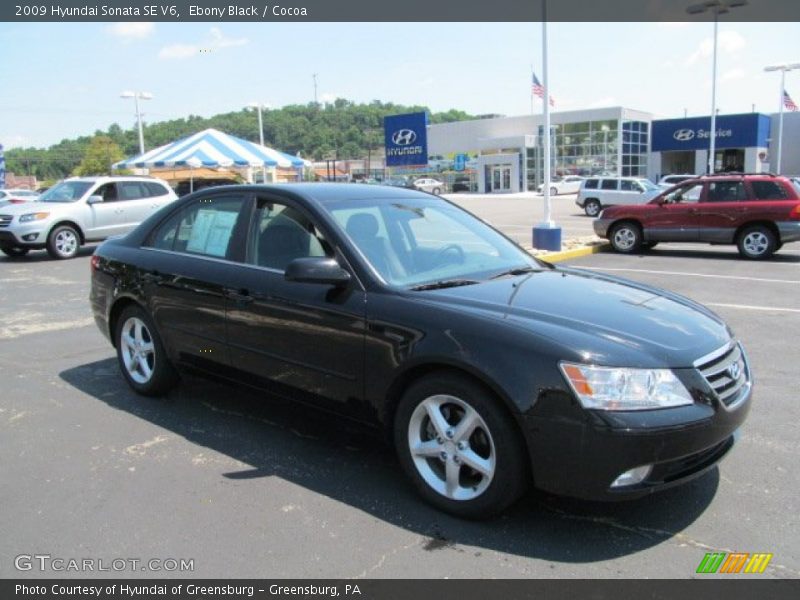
[[5, 220], [727, 373]]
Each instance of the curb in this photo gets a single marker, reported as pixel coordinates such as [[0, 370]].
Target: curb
[[554, 257]]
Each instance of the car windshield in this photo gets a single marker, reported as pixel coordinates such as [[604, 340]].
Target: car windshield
[[413, 242], [66, 191], [649, 185]]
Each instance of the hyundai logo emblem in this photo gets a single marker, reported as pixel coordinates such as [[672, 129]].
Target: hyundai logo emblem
[[734, 371], [404, 137], [684, 135]]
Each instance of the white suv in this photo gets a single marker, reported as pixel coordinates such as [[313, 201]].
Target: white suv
[[598, 192], [80, 210]]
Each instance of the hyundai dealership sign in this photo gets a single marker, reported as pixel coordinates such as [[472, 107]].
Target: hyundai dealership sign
[[406, 139], [749, 130]]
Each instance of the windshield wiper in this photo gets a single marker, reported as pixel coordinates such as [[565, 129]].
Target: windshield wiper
[[446, 283], [513, 272]]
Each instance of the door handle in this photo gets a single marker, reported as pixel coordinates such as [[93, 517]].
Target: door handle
[[242, 297]]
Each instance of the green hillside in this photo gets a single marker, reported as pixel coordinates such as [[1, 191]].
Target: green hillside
[[342, 129]]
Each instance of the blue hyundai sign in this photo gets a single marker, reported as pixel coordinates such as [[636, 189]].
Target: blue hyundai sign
[[749, 130], [406, 139]]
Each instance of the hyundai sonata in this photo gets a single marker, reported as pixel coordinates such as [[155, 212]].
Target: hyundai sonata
[[488, 369]]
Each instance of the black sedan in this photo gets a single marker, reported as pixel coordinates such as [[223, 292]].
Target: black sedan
[[488, 369]]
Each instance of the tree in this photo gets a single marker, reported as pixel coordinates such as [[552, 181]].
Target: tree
[[101, 153]]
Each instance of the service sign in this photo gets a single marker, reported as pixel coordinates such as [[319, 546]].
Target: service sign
[[406, 139], [749, 130]]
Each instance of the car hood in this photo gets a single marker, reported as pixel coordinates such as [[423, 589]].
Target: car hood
[[596, 318], [36, 206]]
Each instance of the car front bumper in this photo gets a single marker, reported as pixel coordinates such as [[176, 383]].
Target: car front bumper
[[27, 235], [581, 453], [601, 227]]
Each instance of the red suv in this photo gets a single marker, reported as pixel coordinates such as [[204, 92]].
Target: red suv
[[758, 213]]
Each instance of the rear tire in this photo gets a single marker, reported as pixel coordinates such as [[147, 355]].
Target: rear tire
[[141, 355], [63, 242], [460, 447], [592, 208], [626, 238], [14, 251], [436, 191], [554, 191], [757, 242]]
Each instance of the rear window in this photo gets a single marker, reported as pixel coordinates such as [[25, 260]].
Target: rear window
[[155, 189], [769, 190], [608, 184], [726, 191], [590, 184]]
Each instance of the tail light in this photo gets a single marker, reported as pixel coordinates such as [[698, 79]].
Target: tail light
[[16, 201], [795, 214], [94, 262]]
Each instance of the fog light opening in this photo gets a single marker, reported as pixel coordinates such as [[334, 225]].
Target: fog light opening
[[30, 237], [632, 477]]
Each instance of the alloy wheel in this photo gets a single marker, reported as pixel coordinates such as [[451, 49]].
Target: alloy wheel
[[624, 238], [138, 350], [451, 447], [755, 243], [66, 242]]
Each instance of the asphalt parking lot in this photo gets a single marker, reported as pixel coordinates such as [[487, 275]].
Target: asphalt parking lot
[[247, 486]]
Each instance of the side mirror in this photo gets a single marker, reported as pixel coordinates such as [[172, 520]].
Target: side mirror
[[94, 199], [318, 269]]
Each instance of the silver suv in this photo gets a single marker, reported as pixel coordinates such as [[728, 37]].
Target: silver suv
[[80, 210], [598, 192]]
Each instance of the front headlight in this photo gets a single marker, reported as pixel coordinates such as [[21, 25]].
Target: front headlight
[[33, 217], [613, 388]]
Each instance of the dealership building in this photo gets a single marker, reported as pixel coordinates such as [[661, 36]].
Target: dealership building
[[505, 154]]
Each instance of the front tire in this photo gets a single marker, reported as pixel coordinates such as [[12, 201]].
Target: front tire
[[459, 447], [757, 242], [141, 355], [436, 191], [626, 238], [63, 242], [14, 251], [592, 208]]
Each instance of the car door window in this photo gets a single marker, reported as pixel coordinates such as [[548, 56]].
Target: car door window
[[205, 227], [130, 190], [686, 194], [155, 189], [629, 186], [726, 191], [608, 184], [590, 184], [769, 190], [280, 233], [107, 191]]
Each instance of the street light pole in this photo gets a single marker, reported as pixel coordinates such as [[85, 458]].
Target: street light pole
[[258, 106], [782, 69], [718, 7], [136, 97]]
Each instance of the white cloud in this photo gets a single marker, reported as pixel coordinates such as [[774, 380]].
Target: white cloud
[[603, 102], [129, 32], [14, 140], [215, 41], [728, 42]]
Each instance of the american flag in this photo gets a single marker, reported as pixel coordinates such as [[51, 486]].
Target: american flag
[[538, 89], [788, 103]]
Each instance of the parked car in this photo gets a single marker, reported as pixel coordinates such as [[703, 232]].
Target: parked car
[[596, 193], [487, 369], [570, 184], [668, 181], [399, 182], [462, 184], [17, 196], [759, 213], [80, 210], [432, 186]]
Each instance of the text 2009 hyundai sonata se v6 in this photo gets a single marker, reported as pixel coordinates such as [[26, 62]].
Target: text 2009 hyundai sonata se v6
[[490, 370]]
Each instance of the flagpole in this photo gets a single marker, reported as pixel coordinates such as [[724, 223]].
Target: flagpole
[[546, 235], [533, 74], [780, 120]]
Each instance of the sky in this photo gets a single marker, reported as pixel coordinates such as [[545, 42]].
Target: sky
[[62, 80]]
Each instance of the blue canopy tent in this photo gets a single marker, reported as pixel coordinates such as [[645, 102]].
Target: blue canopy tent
[[213, 148]]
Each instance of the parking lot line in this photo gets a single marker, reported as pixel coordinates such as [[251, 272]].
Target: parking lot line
[[751, 307], [688, 274]]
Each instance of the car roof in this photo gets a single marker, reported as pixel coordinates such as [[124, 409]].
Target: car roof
[[327, 192]]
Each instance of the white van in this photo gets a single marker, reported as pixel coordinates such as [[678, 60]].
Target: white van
[[598, 192]]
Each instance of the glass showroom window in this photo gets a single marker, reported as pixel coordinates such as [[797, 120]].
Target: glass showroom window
[[634, 148]]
